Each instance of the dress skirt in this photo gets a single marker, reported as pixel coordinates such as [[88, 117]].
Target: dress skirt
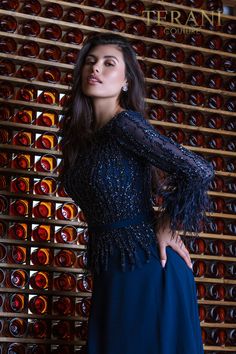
[[148, 310]]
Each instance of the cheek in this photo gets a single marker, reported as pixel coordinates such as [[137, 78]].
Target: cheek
[[84, 73], [116, 77], [84, 76]]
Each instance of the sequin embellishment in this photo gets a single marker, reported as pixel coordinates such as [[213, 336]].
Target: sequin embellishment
[[112, 181]]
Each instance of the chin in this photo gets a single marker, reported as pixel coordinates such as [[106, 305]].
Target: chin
[[90, 90]]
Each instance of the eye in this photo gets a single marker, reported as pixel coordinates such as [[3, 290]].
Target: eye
[[89, 62], [110, 64]]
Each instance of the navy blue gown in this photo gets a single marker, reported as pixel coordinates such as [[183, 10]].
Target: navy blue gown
[[137, 306]]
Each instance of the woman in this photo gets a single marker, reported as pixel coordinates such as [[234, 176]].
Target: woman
[[144, 294]]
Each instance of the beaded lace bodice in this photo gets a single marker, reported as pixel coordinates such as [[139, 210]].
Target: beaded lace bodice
[[112, 182]]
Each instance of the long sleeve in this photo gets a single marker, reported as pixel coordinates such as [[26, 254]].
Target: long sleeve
[[184, 189]]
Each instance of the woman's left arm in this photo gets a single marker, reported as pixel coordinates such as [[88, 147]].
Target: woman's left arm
[[184, 189], [165, 238]]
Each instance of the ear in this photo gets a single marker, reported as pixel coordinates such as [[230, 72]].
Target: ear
[[125, 82]]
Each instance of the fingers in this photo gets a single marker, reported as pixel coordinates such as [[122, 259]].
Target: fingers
[[179, 246], [176, 243], [163, 257]]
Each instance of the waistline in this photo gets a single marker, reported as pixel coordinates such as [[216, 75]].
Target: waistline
[[146, 216]]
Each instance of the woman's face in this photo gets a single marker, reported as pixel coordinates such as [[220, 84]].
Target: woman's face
[[107, 64]]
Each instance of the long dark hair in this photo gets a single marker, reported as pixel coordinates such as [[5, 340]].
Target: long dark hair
[[78, 116]]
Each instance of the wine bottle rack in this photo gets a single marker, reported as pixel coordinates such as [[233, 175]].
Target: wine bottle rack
[[32, 116]]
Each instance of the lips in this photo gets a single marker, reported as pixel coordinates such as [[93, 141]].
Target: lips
[[93, 79]]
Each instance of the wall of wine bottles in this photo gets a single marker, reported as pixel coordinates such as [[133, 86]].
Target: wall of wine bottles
[[190, 72]]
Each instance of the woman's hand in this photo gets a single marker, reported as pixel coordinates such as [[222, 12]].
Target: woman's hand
[[164, 239]]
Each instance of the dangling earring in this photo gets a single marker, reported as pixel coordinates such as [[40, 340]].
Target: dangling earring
[[125, 88]]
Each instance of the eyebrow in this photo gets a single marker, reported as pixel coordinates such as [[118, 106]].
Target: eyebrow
[[105, 56]]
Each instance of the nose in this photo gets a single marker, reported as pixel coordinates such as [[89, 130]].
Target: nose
[[95, 67]]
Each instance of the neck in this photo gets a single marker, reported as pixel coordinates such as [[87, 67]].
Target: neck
[[104, 111]]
